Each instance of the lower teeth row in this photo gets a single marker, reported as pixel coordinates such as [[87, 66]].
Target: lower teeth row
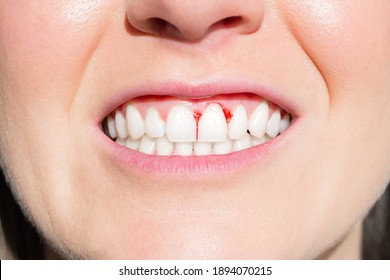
[[163, 147], [211, 136]]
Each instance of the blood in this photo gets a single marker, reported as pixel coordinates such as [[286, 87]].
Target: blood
[[226, 111]]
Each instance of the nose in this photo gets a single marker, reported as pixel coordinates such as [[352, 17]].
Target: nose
[[192, 20]]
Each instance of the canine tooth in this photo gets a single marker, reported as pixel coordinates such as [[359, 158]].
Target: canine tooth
[[257, 141], [184, 149], [258, 121], [202, 148], [111, 127], [181, 125], [120, 125], [212, 125], [284, 123], [164, 147], [154, 125], [147, 145], [273, 124], [120, 141], [132, 144], [238, 125], [242, 143], [135, 123], [223, 147]]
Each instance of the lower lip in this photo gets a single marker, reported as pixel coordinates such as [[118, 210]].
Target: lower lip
[[193, 165]]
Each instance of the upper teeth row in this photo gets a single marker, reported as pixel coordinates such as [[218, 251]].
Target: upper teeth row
[[180, 131]]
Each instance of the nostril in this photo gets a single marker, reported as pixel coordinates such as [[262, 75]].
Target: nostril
[[231, 21], [161, 26]]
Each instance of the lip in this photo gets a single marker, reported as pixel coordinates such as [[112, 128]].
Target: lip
[[195, 165]]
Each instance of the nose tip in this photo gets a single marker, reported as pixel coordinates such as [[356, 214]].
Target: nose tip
[[191, 20]]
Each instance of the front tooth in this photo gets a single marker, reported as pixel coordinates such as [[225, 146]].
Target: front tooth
[[181, 125], [202, 148], [212, 125], [111, 127], [147, 145], [225, 147], [135, 123], [242, 143], [284, 123], [120, 125], [154, 125], [132, 144], [164, 147], [238, 125], [273, 124], [184, 149], [258, 121]]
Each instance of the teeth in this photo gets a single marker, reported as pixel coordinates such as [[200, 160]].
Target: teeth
[[202, 148], [147, 145], [164, 147], [243, 143], [273, 124], [178, 135], [111, 127], [120, 125], [181, 125], [225, 147], [258, 121], [154, 125], [257, 141], [284, 123], [238, 125], [212, 125], [135, 123], [120, 141], [184, 149], [132, 144]]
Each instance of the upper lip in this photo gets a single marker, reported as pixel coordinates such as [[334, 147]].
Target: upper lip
[[200, 90]]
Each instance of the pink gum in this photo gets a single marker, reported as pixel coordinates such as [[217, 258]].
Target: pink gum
[[228, 102]]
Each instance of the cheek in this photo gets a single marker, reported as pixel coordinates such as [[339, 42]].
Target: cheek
[[43, 55]]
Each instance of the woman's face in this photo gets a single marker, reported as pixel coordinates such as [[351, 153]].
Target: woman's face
[[69, 69]]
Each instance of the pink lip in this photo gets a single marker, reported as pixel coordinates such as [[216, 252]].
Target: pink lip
[[194, 165]]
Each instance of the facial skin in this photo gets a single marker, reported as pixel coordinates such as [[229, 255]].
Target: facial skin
[[62, 61]]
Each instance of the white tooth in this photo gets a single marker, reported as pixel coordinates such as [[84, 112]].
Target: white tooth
[[147, 145], [181, 125], [284, 123], [273, 124], [184, 149], [111, 127], [120, 125], [238, 125], [225, 147], [242, 143], [202, 148], [120, 141], [212, 125], [258, 121], [164, 147], [135, 123], [132, 144], [257, 141], [154, 125]]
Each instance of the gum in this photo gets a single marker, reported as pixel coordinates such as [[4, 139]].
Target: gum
[[228, 102]]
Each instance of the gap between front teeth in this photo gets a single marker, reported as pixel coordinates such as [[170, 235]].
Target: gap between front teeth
[[182, 135]]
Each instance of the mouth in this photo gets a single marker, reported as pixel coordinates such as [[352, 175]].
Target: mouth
[[196, 130], [218, 125]]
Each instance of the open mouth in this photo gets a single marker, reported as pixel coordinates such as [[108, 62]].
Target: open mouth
[[217, 125]]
